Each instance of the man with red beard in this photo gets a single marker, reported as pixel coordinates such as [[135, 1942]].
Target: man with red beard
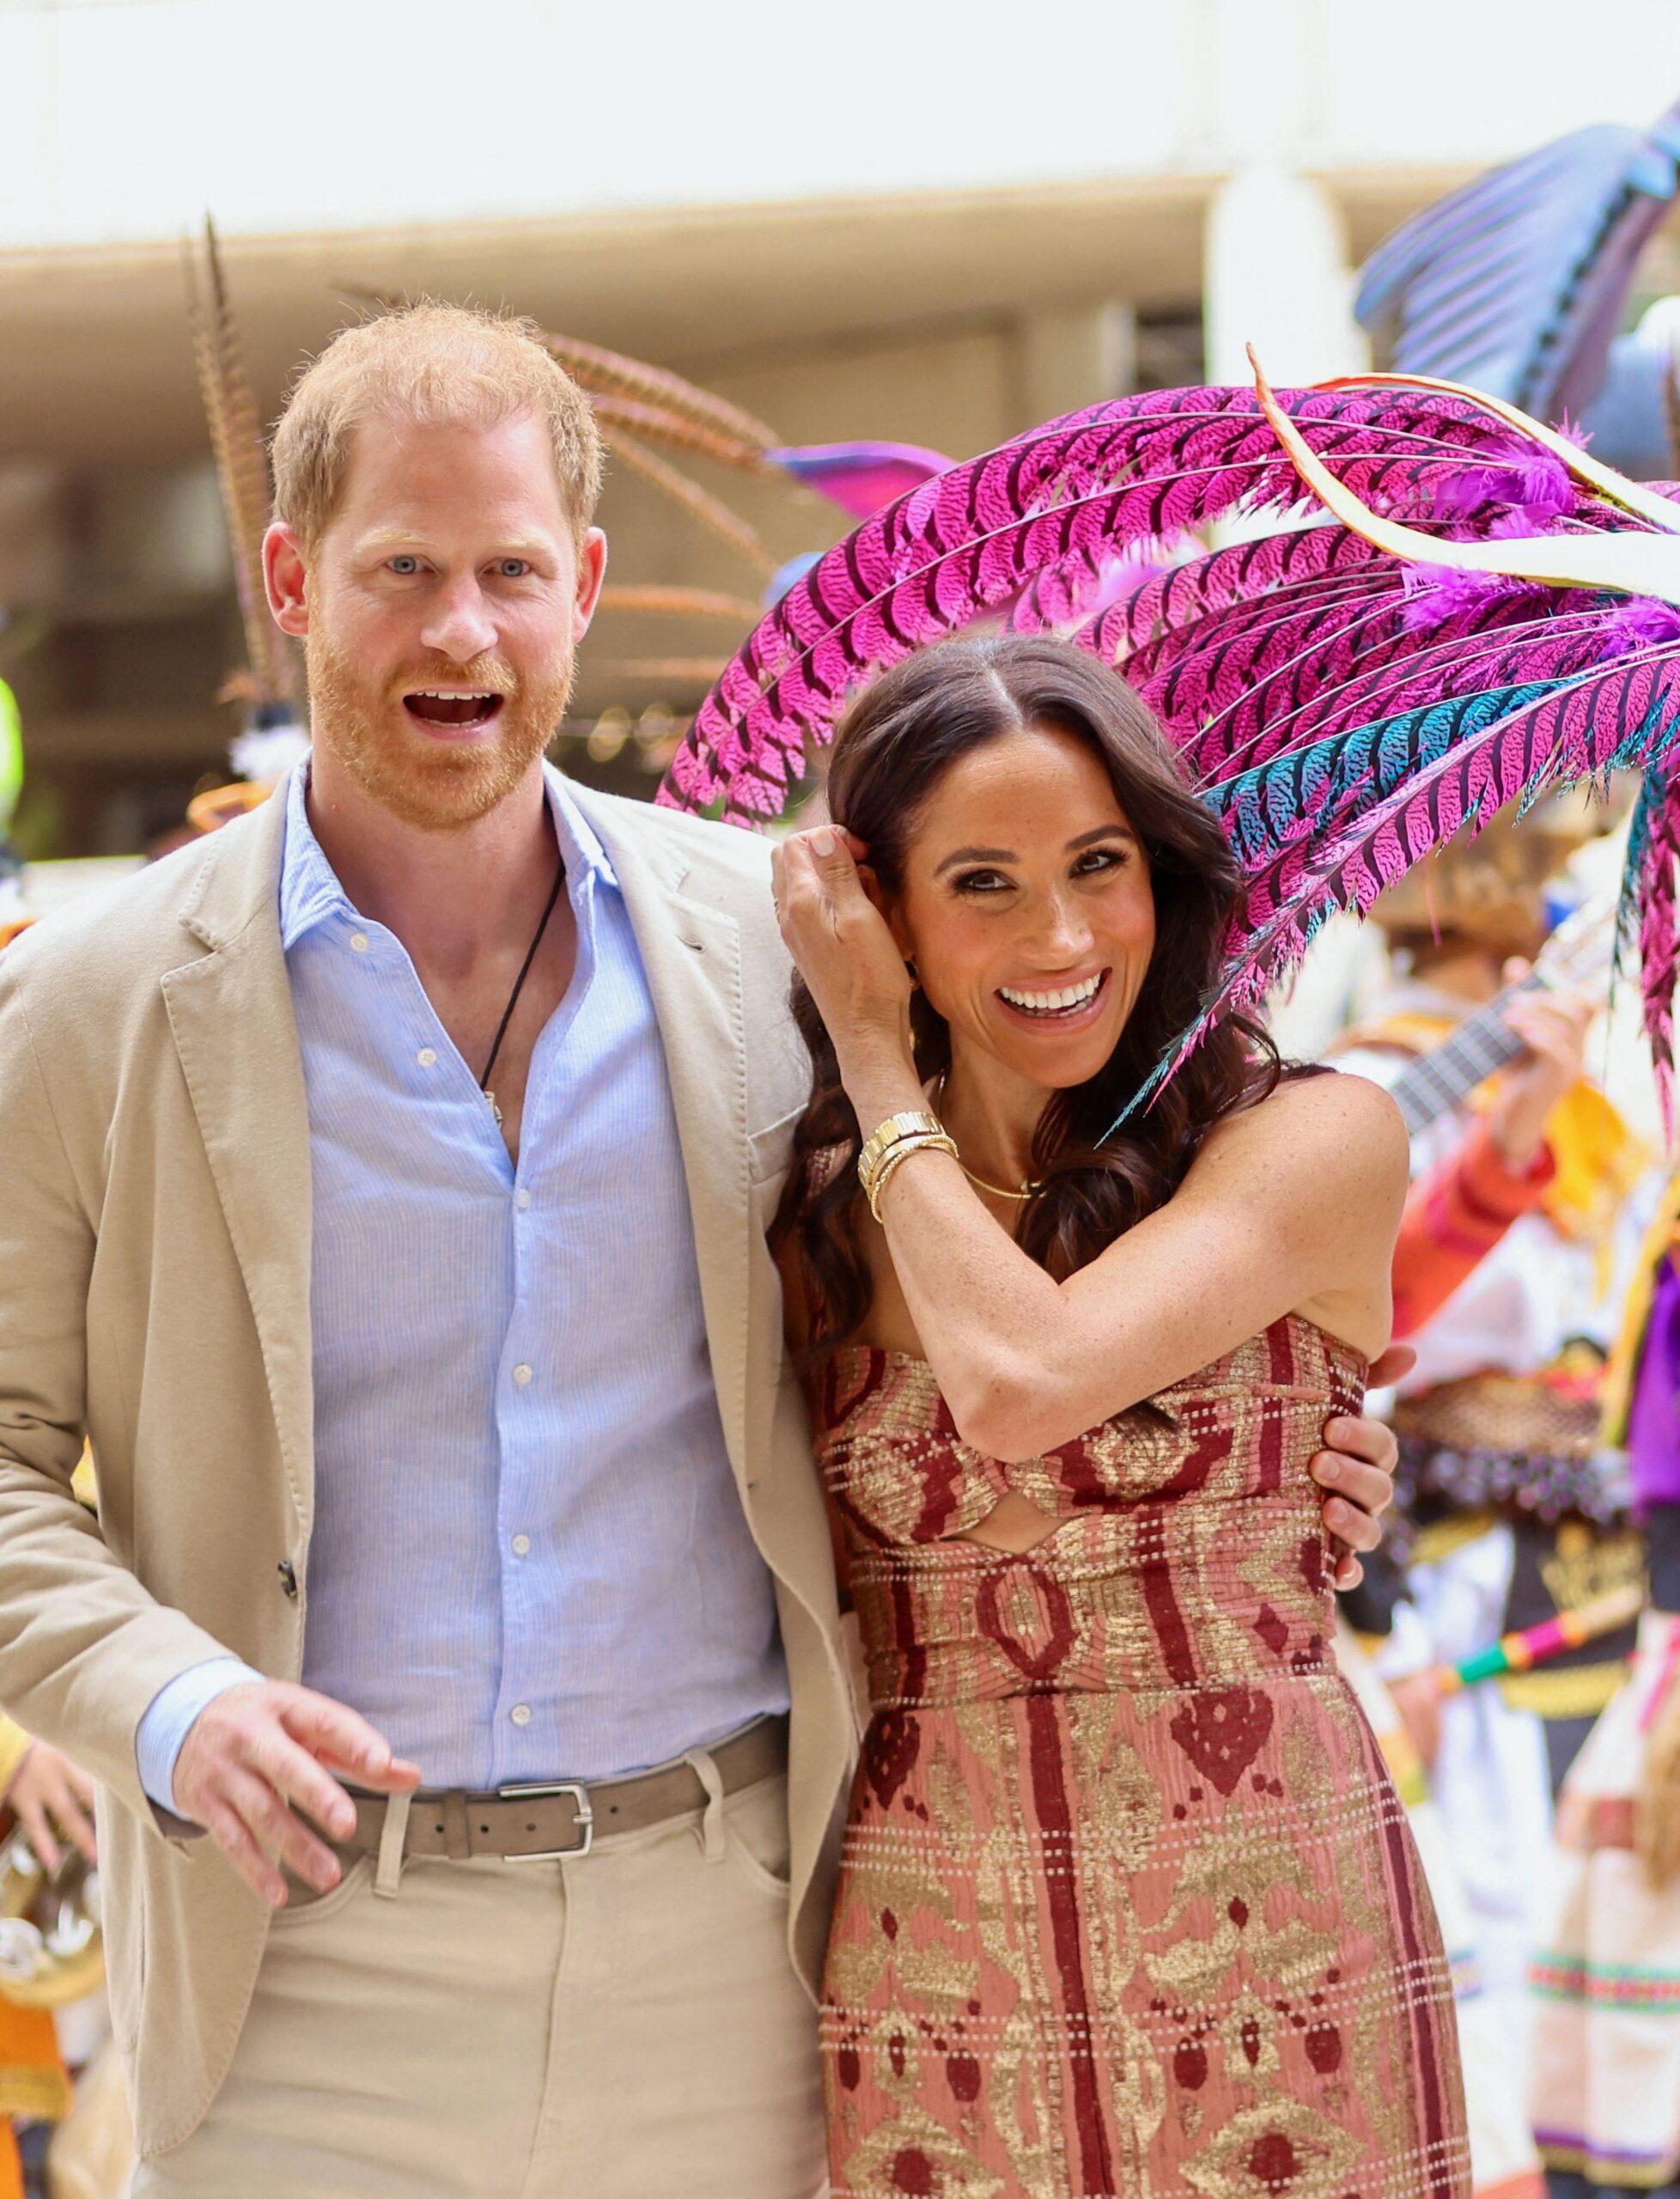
[[387, 1177]]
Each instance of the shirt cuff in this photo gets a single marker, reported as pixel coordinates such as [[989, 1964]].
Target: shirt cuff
[[170, 1716]]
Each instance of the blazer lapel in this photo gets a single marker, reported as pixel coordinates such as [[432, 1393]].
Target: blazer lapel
[[692, 956], [230, 1011]]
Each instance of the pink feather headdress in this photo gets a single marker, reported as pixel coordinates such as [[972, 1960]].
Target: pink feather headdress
[[1481, 614]]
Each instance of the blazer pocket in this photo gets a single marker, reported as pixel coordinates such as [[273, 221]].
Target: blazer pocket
[[772, 1148]]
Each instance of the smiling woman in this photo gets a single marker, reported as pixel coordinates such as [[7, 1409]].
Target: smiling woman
[[1126, 1902]]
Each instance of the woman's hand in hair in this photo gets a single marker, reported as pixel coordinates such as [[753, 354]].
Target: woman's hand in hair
[[843, 945]]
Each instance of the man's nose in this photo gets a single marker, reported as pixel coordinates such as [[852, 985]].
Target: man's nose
[[459, 625]]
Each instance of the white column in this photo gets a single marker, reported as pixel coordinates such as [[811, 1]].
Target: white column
[[1276, 276], [1075, 356]]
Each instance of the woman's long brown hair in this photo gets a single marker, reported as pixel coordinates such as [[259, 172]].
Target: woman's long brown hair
[[891, 750]]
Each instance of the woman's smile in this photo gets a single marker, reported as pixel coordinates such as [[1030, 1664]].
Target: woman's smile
[[1072, 1005]]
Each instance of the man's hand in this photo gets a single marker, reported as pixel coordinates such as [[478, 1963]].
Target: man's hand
[[255, 1750], [53, 1800], [1359, 1465], [1553, 1026]]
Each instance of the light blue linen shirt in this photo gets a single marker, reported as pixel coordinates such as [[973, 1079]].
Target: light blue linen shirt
[[529, 1560]]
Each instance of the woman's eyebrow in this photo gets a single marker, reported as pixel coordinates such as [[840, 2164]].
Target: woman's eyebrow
[[1102, 832], [975, 854]]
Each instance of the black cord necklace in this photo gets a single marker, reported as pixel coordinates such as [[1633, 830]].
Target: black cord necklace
[[519, 983]]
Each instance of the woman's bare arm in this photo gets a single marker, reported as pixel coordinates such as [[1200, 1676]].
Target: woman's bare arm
[[1293, 1207]]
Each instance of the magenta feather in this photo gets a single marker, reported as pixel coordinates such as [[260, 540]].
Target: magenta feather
[[1345, 713], [1138, 469]]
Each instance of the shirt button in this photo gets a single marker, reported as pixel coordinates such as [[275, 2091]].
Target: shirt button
[[521, 1374], [521, 1714], [521, 1545], [521, 1199], [427, 1057], [359, 941]]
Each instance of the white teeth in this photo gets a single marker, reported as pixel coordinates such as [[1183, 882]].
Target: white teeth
[[452, 695], [1048, 1004]]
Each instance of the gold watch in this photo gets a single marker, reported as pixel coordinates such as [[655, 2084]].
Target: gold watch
[[914, 1122]]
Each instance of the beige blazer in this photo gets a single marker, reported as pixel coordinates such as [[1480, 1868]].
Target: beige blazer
[[155, 1252]]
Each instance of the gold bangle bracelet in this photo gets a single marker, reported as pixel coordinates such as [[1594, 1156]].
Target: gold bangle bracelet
[[913, 1122], [883, 1162], [935, 1142]]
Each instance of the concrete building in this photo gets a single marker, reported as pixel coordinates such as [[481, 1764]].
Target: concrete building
[[904, 220]]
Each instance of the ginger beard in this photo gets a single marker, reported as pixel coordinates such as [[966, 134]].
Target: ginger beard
[[437, 784]]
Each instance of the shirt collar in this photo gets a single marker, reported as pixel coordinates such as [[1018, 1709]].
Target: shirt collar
[[309, 887]]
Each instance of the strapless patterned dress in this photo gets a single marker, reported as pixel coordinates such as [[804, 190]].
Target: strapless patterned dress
[[1128, 1902]]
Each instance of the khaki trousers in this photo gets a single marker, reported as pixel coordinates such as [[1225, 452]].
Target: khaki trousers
[[625, 2025]]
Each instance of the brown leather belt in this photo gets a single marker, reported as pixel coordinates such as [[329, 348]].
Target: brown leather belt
[[534, 1823]]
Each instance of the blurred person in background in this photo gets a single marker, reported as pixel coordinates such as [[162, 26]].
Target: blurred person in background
[[1513, 1258], [1606, 2089]]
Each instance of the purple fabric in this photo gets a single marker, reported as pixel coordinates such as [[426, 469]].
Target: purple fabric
[[1654, 1420]]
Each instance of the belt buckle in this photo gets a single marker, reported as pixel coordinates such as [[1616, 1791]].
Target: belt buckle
[[546, 1793]]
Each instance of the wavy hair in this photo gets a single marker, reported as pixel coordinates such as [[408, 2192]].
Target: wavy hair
[[891, 750]]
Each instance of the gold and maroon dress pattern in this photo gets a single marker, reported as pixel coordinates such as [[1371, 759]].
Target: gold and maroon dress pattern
[[1129, 1904]]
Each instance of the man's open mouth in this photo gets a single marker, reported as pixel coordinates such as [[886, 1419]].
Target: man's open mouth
[[453, 709]]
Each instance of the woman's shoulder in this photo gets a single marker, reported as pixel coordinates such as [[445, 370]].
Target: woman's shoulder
[[1331, 1129]]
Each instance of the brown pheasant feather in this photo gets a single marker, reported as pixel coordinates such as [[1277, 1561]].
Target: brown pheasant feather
[[611, 373], [654, 424], [711, 511], [700, 671], [681, 603], [241, 461]]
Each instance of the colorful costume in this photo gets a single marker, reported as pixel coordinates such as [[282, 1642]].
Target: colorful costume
[[1128, 1901], [1500, 1490], [1607, 1981]]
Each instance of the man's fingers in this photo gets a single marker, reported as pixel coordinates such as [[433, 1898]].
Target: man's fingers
[[1370, 1487], [1372, 1441], [339, 1737], [1355, 1530], [227, 1830], [282, 1836], [295, 1775], [399, 1776]]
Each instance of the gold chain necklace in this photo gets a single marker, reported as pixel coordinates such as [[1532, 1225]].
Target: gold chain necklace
[[1020, 1197]]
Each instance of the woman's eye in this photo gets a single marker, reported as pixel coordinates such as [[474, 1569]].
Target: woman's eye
[[1097, 860], [982, 882]]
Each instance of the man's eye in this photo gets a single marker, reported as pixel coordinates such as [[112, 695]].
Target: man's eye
[[512, 569], [404, 564]]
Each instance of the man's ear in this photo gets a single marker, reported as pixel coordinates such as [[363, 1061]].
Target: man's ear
[[285, 578], [591, 572]]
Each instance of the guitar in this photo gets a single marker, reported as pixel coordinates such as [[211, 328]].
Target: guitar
[[1577, 955]]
